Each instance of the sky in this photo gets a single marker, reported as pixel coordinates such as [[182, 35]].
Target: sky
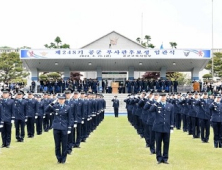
[[34, 23]]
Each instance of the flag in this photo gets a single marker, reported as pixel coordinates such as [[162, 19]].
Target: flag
[[161, 47]]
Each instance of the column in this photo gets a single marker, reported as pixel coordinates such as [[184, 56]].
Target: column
[[99, 78], [131, 73], [163, 73], [34, 74], [195, 74], [66, 73]]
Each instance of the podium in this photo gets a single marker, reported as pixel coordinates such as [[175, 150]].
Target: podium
[[115, 86]]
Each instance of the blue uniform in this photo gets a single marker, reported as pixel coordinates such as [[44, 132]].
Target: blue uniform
[[6, 115], [19, 108], [216, 118], [204, 117], [78, 110], [61, 124], [31, 112], [163, 123], [39, 119], [116, 106]]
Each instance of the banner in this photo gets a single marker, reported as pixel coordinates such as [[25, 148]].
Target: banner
[[114, 53]]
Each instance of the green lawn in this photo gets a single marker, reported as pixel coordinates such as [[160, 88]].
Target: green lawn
[[114, 145]]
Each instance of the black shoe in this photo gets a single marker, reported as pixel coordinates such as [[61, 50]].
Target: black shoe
[[152, 153], [69, 152], [165, 162], [77, 146], [3, 146], [7, 146], [159, 162]]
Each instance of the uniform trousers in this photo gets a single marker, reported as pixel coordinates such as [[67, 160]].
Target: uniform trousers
[[165, 138], [61, 139]]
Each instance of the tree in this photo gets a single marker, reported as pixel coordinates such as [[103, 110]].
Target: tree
[[173, 44], [146, 44], [57, 44], [54, 75], [151, 46], [58, 41], [217, 66], [65, 46], [207, 76], [148, 39], [11, 67], [138, 40]]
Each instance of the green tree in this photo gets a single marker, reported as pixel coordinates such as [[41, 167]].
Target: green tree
[[57, 44], [207, 76], [65, 46], [146, 44], [11, 67], [217, 65], [148, 39], [138, 40], [58, 41], [54, 75], [173, 44], [151, 46]]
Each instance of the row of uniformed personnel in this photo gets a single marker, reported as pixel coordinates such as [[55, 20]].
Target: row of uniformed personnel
[[77, 117], [153, 113]]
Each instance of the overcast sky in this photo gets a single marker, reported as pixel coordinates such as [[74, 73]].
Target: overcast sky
[[78, 22]]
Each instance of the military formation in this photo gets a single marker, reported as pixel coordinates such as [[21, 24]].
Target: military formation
[[73, 116], [155, 115]]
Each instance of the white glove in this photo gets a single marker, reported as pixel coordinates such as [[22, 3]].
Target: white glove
[[50, 114], [68, 132], [82, 122], [26, 120], [171, 131], [43, 117], [12, 121], [75, 125], [36, 117], [88, 119], [1, 126]]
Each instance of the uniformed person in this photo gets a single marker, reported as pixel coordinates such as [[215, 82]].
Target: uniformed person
[[19, 108], [78, 109], [61, 126], [216, 119], [70, 103], [116, 106], [163, 125], [39, 115], [31, 113], [204, 117], [7, 117]]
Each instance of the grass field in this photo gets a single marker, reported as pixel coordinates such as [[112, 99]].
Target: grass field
[[114, 145]]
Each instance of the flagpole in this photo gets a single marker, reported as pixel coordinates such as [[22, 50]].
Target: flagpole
[[212, 54]]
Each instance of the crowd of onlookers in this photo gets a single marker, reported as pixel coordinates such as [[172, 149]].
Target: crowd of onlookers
[[128, 86]]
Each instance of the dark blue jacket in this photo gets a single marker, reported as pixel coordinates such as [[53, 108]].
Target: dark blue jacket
[[85, 108], [31, 107], [204, 109], [62, 118], [216, 111], [6, 110], [177, 106], [193, 108], [115, 103], [164, 119], [78, 110], [40, 108], [19, 108]]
